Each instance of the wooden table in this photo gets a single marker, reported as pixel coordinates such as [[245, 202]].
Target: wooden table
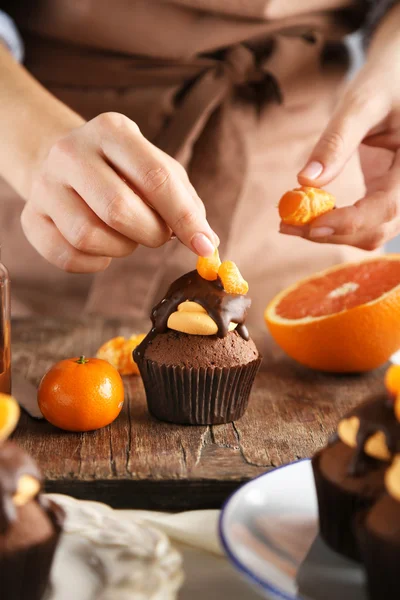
[[139, 462]]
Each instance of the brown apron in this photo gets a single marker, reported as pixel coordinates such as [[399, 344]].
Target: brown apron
[[239, 91]]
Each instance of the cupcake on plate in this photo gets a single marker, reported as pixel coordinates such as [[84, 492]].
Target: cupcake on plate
[[378, 534], [30, 525], [198, 362], [349, 473]]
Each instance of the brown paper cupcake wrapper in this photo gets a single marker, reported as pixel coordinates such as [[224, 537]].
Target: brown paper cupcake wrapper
[[337, 512], [198, 396], [24, 573], [381, 561]]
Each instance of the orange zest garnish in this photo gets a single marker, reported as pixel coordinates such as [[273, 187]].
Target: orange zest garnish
[[119, 353], [232, 279], [9, 415], [304, 204], [207, 268]]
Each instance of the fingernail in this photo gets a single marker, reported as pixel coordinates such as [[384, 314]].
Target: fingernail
[[312, 170], [320, 232], [202, 245]]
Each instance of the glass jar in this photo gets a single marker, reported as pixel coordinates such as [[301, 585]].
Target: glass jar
[[5, 332]]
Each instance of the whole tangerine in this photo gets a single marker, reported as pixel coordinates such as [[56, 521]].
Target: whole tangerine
[[81, 394]]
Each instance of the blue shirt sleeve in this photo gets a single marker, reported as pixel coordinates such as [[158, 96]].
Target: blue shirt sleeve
[[10, 36]]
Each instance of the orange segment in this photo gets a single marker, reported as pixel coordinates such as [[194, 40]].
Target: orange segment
[[111, 351], [207, 268], [232, 279], [9, 415], [392, 380], [127, 365], [118, 352], [344, 319], [304, 204]]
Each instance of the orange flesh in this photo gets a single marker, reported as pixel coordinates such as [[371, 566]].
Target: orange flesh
[[290, 202], [312, 299]]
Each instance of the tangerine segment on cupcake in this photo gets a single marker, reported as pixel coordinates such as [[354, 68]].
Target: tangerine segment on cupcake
[[207, 268], [303, 205], [212, 268]]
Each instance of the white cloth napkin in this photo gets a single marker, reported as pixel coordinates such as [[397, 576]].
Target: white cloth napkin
[[208, 573]]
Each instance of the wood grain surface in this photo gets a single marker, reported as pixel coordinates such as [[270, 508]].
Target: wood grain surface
[[142, 463]]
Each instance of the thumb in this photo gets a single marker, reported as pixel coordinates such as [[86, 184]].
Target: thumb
[[356, 114]]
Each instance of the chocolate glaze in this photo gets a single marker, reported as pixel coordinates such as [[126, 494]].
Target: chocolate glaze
[[376, 414], [222, 307], [14, 463]]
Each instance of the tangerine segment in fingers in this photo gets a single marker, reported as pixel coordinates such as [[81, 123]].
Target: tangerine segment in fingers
[[207, 268], [345, 319], [304, 204], [232, 279], [79, 394], [9, 415]]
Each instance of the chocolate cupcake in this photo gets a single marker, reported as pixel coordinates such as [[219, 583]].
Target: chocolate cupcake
[[378, 534], [30, 527], [349, 473], [198, 363]]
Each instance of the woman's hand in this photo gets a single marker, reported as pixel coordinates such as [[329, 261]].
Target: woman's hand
[[368, 114], [102, 190], [94, 190]]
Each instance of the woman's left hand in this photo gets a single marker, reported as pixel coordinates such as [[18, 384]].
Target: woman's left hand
[[368, 114]]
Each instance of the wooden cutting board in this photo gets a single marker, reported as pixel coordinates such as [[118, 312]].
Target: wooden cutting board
[[139, 462]]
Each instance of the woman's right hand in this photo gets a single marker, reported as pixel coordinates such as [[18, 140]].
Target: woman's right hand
[[102, 190]]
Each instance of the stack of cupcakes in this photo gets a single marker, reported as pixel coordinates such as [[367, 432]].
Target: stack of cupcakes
[[357, 479], [30, 525], [198, 362], [378, 534]]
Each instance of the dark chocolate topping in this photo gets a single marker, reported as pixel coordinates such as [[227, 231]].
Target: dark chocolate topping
[[14, 463], [376, 414], [222, 307]]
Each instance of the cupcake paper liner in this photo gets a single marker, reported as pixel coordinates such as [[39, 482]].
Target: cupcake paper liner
[[24, 573], [381, 561], [198, 396], [337, 512]]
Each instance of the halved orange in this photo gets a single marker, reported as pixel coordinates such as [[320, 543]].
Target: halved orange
[[344, 319], [9, 415]]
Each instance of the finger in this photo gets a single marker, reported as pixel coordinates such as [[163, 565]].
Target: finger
[[80, 226], [390, 140], [351, 122], [371, 239], [294, 231], [48, 241], [160, 185], [108, 196]]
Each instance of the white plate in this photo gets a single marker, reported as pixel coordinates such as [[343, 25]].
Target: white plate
[[102, 556], [269, 530]]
